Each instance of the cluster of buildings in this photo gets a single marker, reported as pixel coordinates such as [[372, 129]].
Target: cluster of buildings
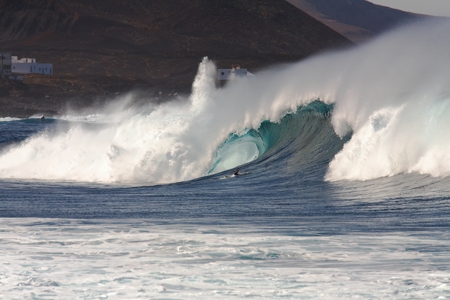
[[13, 68]]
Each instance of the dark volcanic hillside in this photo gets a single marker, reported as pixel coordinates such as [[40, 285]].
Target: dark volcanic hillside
[[94, 45], [20, 19]]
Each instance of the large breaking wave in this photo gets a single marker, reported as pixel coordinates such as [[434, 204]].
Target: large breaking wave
[[391, 95]]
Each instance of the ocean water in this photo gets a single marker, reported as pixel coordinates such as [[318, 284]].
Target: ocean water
[[343, 193]]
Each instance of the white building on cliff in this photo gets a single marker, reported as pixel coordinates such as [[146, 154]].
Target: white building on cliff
[[30, 66], [229, 74]]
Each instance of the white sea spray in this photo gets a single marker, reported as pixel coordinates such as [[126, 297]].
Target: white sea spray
[[392, 94]]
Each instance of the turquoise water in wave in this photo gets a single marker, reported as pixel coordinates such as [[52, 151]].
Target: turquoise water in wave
[[278, 231], [343, 193]]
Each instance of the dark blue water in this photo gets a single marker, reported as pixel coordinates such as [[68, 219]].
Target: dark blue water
[[285, 186], [279, 230]]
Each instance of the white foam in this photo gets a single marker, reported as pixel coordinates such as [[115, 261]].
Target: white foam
[[393, 93], [71, 259], [9, 119]]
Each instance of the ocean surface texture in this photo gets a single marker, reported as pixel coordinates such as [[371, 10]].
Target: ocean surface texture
[[343, 192]]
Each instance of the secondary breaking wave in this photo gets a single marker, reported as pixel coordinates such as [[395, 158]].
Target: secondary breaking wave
[[391, 96]]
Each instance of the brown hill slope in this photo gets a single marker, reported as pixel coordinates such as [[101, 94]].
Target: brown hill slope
[[152, 43], [358, 20]]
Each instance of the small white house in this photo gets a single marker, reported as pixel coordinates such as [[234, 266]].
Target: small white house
[[229, 74], [30, 66]]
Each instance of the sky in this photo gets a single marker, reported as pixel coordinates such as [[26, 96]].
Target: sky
[[428, 7]]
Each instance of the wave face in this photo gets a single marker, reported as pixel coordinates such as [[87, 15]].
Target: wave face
[[392, 96], [305, 136]]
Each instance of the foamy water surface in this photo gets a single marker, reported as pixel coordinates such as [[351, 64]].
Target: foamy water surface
[[343, 192], [75, 259]]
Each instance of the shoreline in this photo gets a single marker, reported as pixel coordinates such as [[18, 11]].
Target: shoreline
[[55, 95]]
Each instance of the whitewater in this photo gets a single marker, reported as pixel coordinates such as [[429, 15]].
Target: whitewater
[[344, 157]]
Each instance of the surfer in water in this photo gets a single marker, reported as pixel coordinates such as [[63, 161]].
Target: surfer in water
[[236, 172]]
